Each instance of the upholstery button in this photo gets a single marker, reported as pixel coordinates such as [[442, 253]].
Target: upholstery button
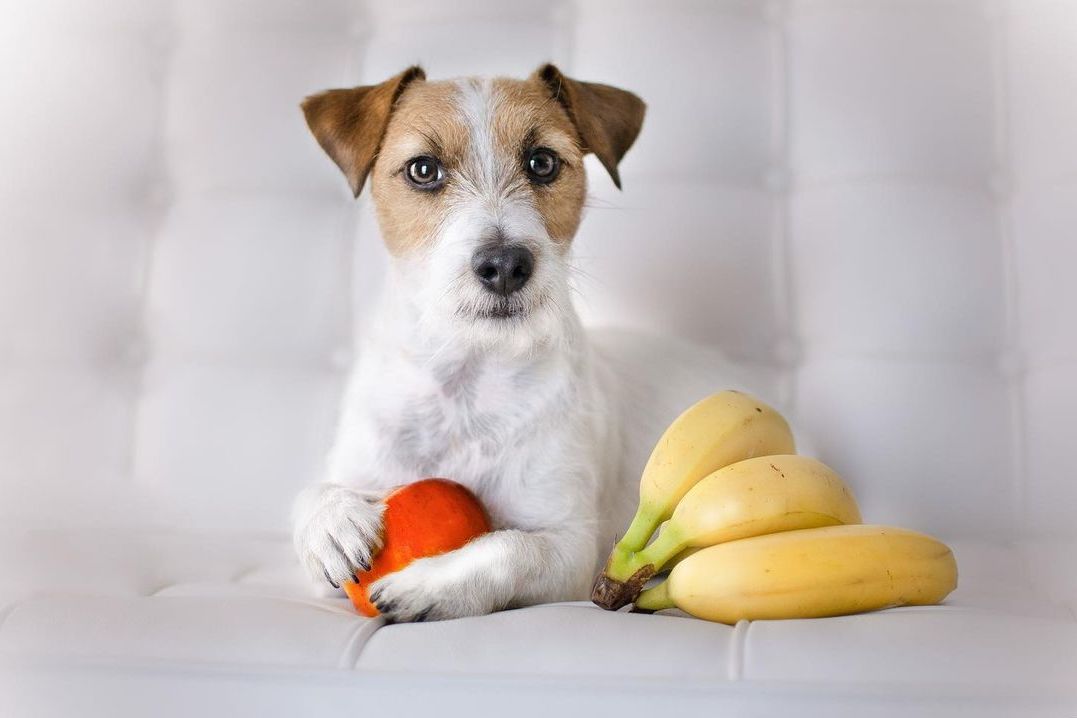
[[136, 351], [994, 10], [341, 358], [160, 42], [158, 193], [1011, 364], [777, 179], [775, 12], [788, 352], [1000, 183], [563, 15]]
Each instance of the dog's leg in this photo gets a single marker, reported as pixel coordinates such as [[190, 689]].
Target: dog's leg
[[498, 570], [337, 530]]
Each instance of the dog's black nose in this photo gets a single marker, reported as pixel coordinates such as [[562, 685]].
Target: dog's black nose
[[503, 269]]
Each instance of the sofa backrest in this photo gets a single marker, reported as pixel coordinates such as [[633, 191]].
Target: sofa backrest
[[877, 198]]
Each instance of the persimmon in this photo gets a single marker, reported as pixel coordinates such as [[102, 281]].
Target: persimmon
[[426, 518]]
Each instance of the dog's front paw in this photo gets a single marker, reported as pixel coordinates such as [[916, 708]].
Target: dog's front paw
[[431, 589], [337, 532]]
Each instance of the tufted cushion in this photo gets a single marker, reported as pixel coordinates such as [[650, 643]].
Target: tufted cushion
[[878, 202], [888, 232], [228, 607]]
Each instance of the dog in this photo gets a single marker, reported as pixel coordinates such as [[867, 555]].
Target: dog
[[475, 365]]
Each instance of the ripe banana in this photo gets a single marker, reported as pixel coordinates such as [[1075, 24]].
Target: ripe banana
[[757, 496], [722, 429], [829, 571]]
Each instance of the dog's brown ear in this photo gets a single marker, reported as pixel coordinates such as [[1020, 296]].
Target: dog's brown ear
[[608, 119], [349, 124]]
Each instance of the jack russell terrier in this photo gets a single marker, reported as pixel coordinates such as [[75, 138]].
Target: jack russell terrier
[[475, 366]]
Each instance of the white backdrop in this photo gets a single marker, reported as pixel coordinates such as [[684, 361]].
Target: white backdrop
[[877, 199]]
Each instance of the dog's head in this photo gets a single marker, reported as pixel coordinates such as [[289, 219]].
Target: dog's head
[[479, 186]]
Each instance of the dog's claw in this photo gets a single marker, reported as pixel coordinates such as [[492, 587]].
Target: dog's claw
[[335, 533], [384, 606]]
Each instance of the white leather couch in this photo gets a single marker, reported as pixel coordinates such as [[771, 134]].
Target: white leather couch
[[877, 201]]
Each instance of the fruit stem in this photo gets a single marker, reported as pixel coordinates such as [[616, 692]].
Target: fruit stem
[[622, 563], [662, 550], [655, 598], [639, 531]]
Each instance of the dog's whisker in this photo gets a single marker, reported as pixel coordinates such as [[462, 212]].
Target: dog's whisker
[[593, 201]]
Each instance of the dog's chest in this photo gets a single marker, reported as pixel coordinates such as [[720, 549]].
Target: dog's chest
[[458, 418]]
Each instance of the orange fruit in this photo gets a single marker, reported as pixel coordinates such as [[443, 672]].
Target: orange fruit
[[426, 518]]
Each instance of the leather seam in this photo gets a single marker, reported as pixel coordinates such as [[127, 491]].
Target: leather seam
[[380, 623], [738, 645], [356, 644]]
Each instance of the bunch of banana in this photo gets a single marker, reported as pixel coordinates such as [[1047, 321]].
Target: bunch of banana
[[752, 530], [722, 429]]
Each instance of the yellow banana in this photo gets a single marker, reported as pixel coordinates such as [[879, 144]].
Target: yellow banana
[[757, 496], [829, 571], [722, 429]]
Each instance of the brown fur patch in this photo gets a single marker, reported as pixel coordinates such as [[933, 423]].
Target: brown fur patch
[[608, 118], [425, 122], [527, 117], [349, 124]]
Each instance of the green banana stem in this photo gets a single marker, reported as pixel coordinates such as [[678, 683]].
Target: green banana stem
[[639, 531], [661, 551], [655, 598]]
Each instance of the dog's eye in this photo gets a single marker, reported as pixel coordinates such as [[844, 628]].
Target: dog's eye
[[543, 165], [425, 173]]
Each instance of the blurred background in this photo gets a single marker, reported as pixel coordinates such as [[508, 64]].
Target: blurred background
[[875, 199]]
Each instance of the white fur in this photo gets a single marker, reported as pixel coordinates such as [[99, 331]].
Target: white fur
[[549, 429]]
